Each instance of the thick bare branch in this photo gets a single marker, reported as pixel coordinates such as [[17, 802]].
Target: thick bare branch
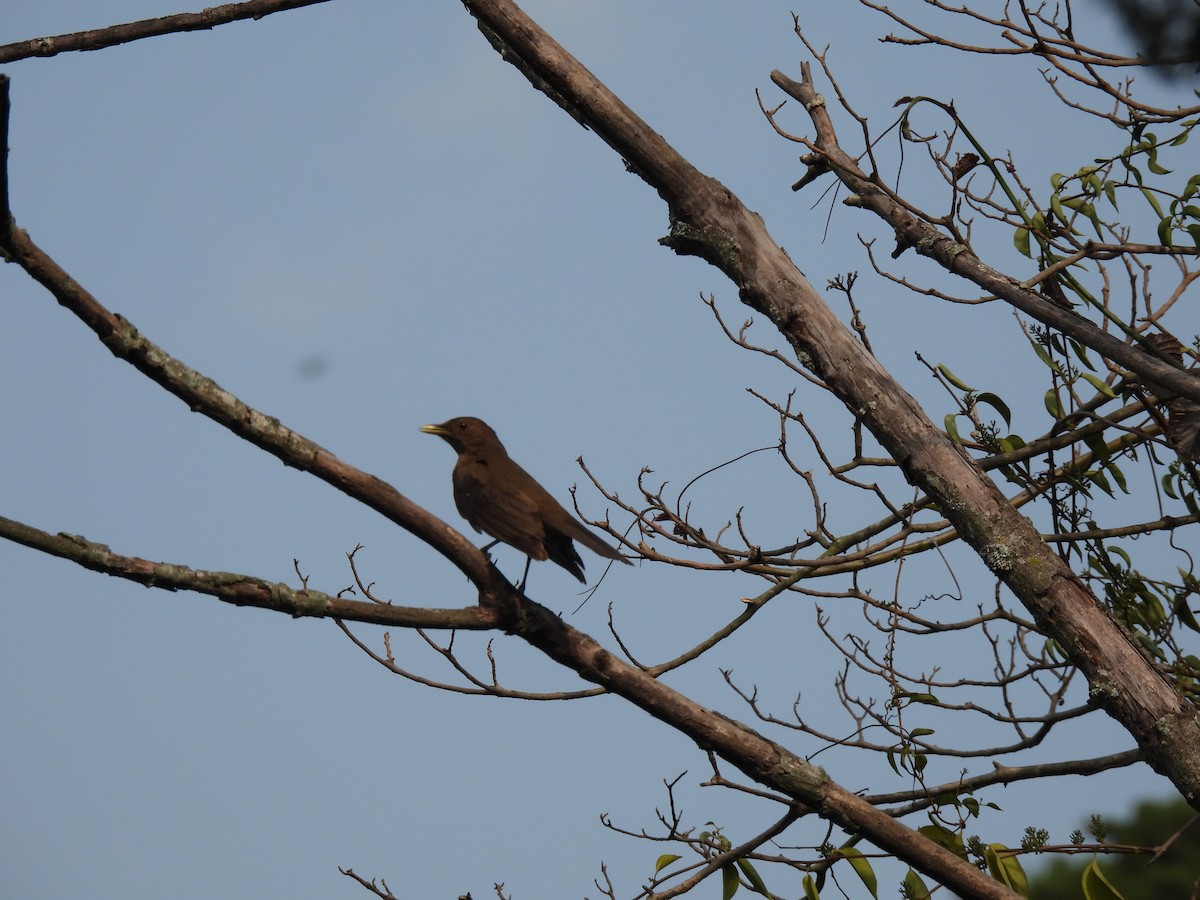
[[99, 38], [708, 221]]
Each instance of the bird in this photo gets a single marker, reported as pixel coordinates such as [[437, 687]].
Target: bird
[[499, 498]]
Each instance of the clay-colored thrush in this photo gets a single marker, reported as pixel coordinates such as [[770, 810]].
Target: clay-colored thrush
[[498, 497]]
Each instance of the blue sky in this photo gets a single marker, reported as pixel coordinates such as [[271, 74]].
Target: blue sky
[[359, 220]]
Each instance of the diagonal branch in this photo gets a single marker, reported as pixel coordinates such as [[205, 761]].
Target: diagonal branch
[[763, 760], [959, 259], [721, 860], [708, 221], [99, 38], [205, 396]]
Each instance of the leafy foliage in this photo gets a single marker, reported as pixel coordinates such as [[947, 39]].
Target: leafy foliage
[[1137, 876]]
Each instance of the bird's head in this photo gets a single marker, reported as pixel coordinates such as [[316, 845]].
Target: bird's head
[[466, 434]]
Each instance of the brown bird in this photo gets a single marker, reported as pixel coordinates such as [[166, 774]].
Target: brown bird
[[498, 497]]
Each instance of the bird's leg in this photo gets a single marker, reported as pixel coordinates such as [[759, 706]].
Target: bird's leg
[[486, 547], [520, 585]]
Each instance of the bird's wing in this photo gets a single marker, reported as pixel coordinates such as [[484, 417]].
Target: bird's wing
[[561, 527], [560, 550], [558, 520], [499, 508], [594, 542]]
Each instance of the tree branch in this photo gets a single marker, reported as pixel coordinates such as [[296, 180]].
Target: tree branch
[[99, 38], [1006, 775], [959, 259], [205, 396], [241, 590], [708, 221], [761, 759]]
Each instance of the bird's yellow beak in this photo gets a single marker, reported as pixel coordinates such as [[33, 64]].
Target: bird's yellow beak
[[434, 429]]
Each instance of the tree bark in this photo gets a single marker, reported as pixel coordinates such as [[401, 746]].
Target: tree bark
[[709, 221]]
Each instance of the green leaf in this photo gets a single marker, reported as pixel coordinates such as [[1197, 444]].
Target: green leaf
[[1053, 650], [1038, 222], [1044, 356], [914, 697], [1110, 191], [665, 860], [1168, 486], [1096, 444], [1133, 171], [915, 886], [1152, 612], [1194, 231], [1053, 404], [1056, 207], [1005, 868], [952, 427], [1081, 352], [953, 379], [1021, 241], [1011, 443], [810, 889], [1099, 385], [1164, 231], [861, 867], [1118, 477], [1184, 613], [729, 882], [944, 837], [1097, 478], [753, 877], [997, 404], [1096, 886], [1152, 200]]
